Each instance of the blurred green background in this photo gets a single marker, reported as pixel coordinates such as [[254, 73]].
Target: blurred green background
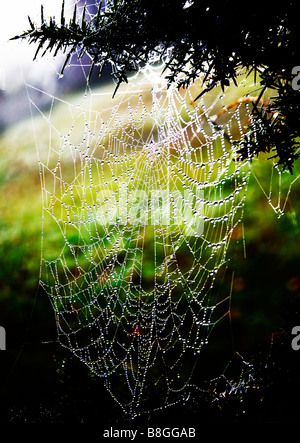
[[42, 382]]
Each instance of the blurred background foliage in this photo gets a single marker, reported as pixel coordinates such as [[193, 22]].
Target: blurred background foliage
[[130, 34], [41, 382]]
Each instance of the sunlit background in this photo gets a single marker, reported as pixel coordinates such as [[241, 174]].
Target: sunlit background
[[17, 65], [264, 277]]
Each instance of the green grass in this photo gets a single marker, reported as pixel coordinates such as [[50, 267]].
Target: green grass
[[265, 282]]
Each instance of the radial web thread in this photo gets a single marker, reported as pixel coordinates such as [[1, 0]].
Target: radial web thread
[[141, 195]]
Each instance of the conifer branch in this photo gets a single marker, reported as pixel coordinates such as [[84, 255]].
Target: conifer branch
[[216, 38]]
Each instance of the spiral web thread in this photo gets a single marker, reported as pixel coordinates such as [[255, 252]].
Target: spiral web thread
[[141, 195]]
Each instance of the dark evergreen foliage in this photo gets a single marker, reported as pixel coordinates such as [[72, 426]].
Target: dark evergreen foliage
[[217, 38]]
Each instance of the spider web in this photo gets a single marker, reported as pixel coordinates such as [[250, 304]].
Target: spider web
[[141, 195]]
